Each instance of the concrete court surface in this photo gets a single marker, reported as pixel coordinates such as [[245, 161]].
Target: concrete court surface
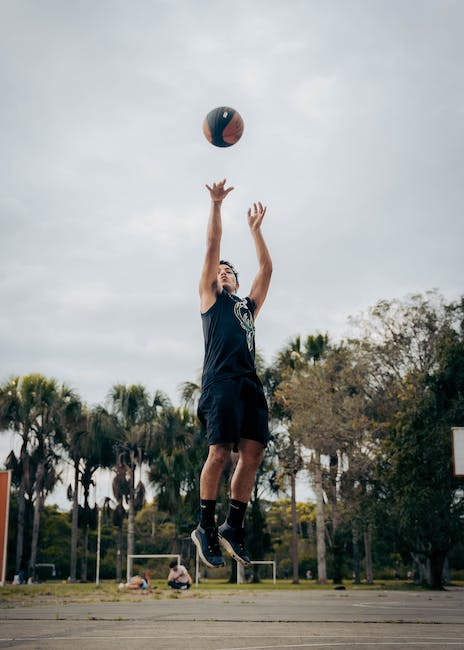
[[260, 620]]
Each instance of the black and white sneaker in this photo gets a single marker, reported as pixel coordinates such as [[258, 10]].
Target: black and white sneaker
[[207, 543], [232, 541]]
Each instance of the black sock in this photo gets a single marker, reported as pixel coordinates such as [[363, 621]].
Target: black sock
[[207, 510], [236, 513]]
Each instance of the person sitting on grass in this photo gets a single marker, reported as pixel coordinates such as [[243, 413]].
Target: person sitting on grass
[[179, 577]]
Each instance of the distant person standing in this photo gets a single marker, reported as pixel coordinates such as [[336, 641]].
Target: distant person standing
[[232, 405]]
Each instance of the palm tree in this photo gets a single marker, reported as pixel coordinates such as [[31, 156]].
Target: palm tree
[[76, 432], [190, 392], [134, 414], [23, 474], [52, 403], [34, 406], [175, 459], [90, 445], [16, 413]]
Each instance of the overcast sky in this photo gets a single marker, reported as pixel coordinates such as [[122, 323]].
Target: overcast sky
[[353, 138]]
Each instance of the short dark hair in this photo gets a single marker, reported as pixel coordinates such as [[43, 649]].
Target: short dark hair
[[231, 267], [173, 563]]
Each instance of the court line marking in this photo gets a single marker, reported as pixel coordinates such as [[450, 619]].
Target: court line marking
[[394, 604], [371, 639], [344, 643]]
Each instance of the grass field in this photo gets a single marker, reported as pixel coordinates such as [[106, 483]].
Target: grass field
[[57, 592]]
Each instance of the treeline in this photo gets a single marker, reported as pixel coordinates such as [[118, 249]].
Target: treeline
[[368, 420]]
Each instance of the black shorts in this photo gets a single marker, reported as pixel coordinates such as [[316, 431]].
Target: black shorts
[[235, 408]]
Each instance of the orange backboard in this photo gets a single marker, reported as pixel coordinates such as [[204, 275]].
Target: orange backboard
[[5, 481]]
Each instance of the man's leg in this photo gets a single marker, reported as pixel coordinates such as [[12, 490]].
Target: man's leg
[[205, 535], [231, 535], [210, 477], [250, 457]]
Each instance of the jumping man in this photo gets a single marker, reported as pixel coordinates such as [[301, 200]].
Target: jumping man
[[232, 405]]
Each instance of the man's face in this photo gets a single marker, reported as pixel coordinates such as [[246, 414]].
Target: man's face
[[226, 279]]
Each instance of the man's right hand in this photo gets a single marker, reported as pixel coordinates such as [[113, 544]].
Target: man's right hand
[[218, 191]]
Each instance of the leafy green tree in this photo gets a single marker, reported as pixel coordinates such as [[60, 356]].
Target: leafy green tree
[[327, 404], [55, 540], [293, 362], [415, 351], [279, 520]]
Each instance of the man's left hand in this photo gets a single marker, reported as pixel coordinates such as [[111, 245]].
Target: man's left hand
[[256, 217]]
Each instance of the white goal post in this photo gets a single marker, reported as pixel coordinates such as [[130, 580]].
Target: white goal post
[[131, 558], [240, 570]]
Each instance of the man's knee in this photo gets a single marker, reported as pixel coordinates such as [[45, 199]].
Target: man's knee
[[251, 453], [219, 454], [253, 461]]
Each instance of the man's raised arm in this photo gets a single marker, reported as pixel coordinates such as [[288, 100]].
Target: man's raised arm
[[208, 279], [262, 280]]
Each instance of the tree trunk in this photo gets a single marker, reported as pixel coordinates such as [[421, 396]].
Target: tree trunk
[[337, 550], [85, 553], [422, 566], [86, 483], [320, 522], [437, 561], [74, 524], [333, 469], [21, 522], [294, 529], [119, 543], [38, 507], [131, 515], [445, 575], [356, 555], [368, 554]]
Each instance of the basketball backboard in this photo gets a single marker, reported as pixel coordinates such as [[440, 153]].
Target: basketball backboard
[[458, 450]]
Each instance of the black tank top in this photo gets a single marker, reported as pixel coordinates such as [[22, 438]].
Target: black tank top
[[229, 333]]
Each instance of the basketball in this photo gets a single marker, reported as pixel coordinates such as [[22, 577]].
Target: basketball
[[223, 126]]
